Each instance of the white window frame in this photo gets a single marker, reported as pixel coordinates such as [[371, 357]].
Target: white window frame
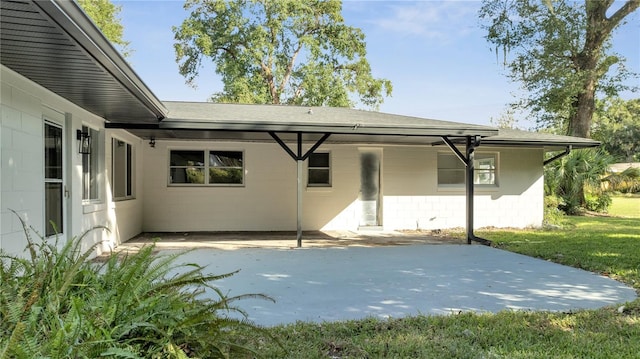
[[480, 156], [129, 170], [92, 178], [59, 180], [323, 168], [491, 171], [206, 168]]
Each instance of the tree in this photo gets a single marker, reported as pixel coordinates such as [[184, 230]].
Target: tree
[[506, 119], [280, 52], [563, 55], [617, 126], [105, 15]]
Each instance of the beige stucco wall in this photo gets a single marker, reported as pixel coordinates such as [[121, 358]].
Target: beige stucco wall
[[24, 108], [267, 201]]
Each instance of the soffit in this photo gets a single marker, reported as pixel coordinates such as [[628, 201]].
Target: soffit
[[54, 44]]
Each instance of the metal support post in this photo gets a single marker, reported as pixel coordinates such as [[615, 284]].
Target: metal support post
[[299, 162], [299, 204], [470, 155]]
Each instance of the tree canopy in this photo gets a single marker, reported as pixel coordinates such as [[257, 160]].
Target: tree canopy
[[279, 52], [105, 15], [617, 126], [560, 51]]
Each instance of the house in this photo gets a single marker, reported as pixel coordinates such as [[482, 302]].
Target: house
[[86, 143]]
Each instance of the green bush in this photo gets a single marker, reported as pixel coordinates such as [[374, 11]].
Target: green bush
[[553, 216], [568, 177], [597, 202], [57, 303]]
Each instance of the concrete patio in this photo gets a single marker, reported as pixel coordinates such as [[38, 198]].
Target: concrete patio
[[330, 283]]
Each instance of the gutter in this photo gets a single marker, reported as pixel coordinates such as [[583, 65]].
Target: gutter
[[558, 156], [334, 128]]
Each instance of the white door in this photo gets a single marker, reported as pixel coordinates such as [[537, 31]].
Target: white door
[[370, 188], [54, 187]]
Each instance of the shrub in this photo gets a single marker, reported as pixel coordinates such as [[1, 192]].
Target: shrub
[[598, 201], [553, 216], [568, 176], [59, 304]]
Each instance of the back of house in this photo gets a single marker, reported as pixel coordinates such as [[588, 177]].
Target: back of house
[[86, 143]]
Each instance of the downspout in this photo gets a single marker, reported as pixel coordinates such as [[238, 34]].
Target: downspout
[[558, 156], [472, 143]]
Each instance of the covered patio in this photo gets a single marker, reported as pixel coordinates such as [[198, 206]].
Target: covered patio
[[301, 130]]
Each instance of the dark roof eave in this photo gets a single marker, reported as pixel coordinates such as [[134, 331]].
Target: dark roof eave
[[70, 17]]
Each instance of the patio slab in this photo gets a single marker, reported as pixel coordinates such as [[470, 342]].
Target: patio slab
[[341, 283]]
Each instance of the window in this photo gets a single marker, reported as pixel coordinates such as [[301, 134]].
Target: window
[[221, 168], [90, 168], [53, 180], [225, 167], [319, 170], [451, 170], [122, 154], [485, 169], [187, 167]]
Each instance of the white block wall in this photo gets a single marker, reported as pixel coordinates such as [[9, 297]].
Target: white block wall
[[413, 200], [267, 201], [125, 216], [22, 163], [24, 107]]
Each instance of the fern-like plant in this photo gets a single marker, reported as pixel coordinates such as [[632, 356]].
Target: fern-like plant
[[57, 303]]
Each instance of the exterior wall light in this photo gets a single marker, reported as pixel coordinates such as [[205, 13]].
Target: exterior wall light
[[84, 142], [152, 142]]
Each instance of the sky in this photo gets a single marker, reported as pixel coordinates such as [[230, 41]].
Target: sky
[[433, 51]]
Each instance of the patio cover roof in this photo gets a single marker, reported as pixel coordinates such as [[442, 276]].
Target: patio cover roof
[[55, 44], [212, 121], [205, 120]]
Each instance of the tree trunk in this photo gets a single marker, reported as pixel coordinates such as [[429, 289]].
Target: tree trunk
[[599, 28], [580, 123]]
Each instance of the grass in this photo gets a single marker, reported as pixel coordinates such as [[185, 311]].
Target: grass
[[605, 245], [625, 206]]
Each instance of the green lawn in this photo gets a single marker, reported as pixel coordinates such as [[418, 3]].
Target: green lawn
[[605, 245], [625, 206]]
